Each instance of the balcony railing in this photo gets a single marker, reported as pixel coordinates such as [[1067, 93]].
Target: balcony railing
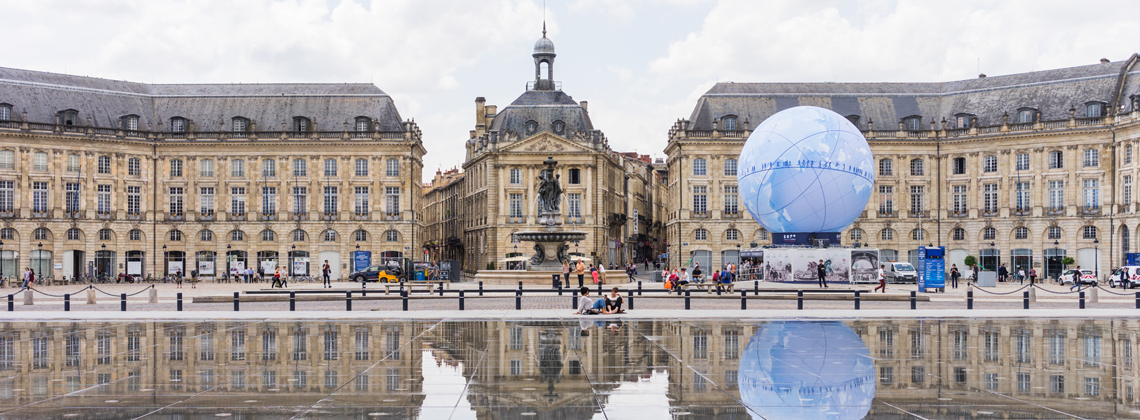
[[134, 215], [1024, 211], [887, 213], [40, 213], [73, 214], [516, 219], [575, 220], [1090, 210], [915, 214], [958, 213], [175, 216], [392, 216], [104, 214], [731, 214], [237, 216], [268, 215], [206, 214], [1055, 211], [299, 215], [1124, 208], [989, 212], [361, 215], [4, 213], [329, 215], [700, 214]]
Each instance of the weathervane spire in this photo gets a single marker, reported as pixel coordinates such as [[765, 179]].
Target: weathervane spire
[[544, 18]]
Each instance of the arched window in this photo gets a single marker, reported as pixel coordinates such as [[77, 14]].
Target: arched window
[[887, 234], [855, 234], [1054, 232], [74, 234], [330, 235], [176, 235], [301, 124], [1089, 232], [1026, 115], [237, 236], [135, 235], [240, 124], [958, 234], [106, 235], [701, 234], [268, 236], [854, 119], [298, 235], [731, 235], [917, 235], [206, 235], [391, 236], [41, 234], [69, 117], [989, 233], [963, 120], [1021, 232], [360, 235], [178, 125], [729, 122], [5, 112], [1094, 109], [912, 123], [363, 124], [129, 122]]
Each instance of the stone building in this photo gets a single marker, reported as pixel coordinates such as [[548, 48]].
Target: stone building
[[101, 177], [644, 189], [443, 216], [1019, 169], [505, 154]]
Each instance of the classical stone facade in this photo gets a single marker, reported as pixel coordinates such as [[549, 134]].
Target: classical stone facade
[[505, 153], [1021, 170], [107, 177], [443, 216]]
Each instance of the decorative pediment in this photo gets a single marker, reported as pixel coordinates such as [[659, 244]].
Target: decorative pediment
[[544, 143]]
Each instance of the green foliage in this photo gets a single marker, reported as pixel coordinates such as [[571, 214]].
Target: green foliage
[[490, 265], [971, 261], [1068, 260]]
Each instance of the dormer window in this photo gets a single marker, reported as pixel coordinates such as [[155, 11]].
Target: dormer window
[[178, 125], [963, 120], [301, 124], [729, 123], [854, 119], [912, 123], [1026, 115], [5, 112], [129, 122], [240, 124], [559, 127], [1094, 109], [68, 117], [363, 124], [531, 127]]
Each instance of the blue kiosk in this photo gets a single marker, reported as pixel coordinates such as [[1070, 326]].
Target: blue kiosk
[[931, 269]]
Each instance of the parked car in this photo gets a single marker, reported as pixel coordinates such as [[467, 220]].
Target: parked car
[[900, 272], [1087, 277], [388, 273], [1131, 277]]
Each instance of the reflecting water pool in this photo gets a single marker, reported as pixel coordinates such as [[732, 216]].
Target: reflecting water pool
[[717, 369]]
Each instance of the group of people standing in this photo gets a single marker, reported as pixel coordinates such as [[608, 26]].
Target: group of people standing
[[598, 273]]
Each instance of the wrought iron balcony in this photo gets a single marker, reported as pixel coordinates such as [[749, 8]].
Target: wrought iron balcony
[[516, 219], [958, 213], [392, 216], [887, 213], [1055, 211], [1090, 210]]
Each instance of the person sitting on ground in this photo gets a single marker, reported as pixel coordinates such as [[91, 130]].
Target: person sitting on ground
[[585, 304], [613, 303]]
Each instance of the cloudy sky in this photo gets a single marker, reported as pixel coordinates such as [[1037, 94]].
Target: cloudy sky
[[640, 63]]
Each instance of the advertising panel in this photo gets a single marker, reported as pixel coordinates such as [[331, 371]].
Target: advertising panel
[[361, 260], [205, 268], [864, 265]]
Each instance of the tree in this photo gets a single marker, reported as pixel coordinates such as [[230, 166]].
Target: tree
[[1067, 261], [970, 261]]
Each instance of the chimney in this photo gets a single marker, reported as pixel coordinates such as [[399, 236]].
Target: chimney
[[1104, 61], [480, 110], [585, 106], [981, 75]]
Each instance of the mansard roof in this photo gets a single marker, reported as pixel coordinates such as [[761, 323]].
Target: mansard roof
[[209, 106], [543, 107]]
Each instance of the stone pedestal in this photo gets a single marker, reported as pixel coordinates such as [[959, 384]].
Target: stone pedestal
[[28, 299], [90, 296], [153, 295]]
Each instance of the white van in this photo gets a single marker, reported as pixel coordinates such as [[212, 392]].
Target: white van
[[1132, 277], [900, 272]]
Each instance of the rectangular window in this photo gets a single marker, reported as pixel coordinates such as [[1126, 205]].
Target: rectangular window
[[300, 349], [990, 195], [917, 198], [516, 338], [269, 200], [72, 197], [40, 161], [732, 344], [176, 199], [1056, 194], [886, 167], [206, 168], [39, 197], [916, 167], [176, 168], [1057, 384], [700, 344], [1056, 159], [1092, 350], [1024, 384], [237, 168], [237, 345], [1092, 158], [103, 202], [300, 196], [1023, 195], [176, 351], [887, 375], [8, 159], [989, 164], [918, 374], [961, 344], [7, 196], [392, 167], [269, 168], [1024, 343], [237, 200], [206, 346], [134, 199], [1092, 193], [360, 200], [362, 167], [361, 348], [269, 345], [330, 167], [1127, 155], [299, 167], [134, 166], [1023, 161], [700, 200], [206, 200], [516, 206], [991, 381], [332, 351], [1092, 387], [330, 200], [573, 202], [731, 199], [1126, 189], [1056, 347], [886, 199], [73, 162], [730, 167], [959, 166], [990, 343], [959, 197], [575, 176], [699, 167], [392, 200], [516, 176]]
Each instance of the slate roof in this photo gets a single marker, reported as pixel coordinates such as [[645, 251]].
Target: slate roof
[[209, 106], [1052, 92], [543, 107]]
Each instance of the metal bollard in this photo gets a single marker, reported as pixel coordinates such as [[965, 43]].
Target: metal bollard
[[857, 292], [520, 286], [179, 308], [292, 301], [1082, 300], [639, 287], [364, 288], [631, 299], [574, 300], [441, 289], [599, 289], [686, 300], [518, 300], [717, 290], [461, 299], [237, 302], [480, 288], [348, 300], [800, 299], [913, 300], [11, 302], [1025, 300], [755, 287], [743, 300], [122, 302], [559, 289], [66, 302], [1137, 300], [969, 299], [404, 297]]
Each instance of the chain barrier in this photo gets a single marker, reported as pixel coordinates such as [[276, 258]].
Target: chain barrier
[[1001, 294], [117, 295], [1114, 293], [1061, 293], [56, 296]]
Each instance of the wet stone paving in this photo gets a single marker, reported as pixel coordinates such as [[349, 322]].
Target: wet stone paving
[[571, 369]]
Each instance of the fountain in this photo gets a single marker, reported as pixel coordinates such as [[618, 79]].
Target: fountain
[[551, 244]]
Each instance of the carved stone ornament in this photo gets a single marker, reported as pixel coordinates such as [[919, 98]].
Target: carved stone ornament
[[544, 145]]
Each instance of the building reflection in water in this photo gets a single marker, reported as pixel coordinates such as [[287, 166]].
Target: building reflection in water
[[547, 369]]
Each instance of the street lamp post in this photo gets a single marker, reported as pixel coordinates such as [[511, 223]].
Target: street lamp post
[[1096, 258], [228, 262], [516, 253], [291, 256], [102, 254], [1055, 245], [1, 259], [166, 261], [41, 256]]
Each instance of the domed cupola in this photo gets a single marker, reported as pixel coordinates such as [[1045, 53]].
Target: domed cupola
[[544, 56]]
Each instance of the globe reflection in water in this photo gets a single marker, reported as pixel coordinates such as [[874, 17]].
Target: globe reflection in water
[[806, 169], [807, 370]]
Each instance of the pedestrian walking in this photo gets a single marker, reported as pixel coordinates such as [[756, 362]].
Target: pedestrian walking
[[1076, 279], [821, 271], [325, 270], [954, 275], [1032, 275], [1021, 275], [882, 280], [193, 279]]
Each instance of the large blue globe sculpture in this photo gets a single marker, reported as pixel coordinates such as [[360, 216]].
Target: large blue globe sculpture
[[806, 169], [807, 370]]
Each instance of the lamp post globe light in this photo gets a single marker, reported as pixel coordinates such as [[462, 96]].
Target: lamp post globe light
[[40, 254], [289, 271], [1, 259], [1096, 258]]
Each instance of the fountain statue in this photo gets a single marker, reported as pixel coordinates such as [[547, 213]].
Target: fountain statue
[[550, 244]]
